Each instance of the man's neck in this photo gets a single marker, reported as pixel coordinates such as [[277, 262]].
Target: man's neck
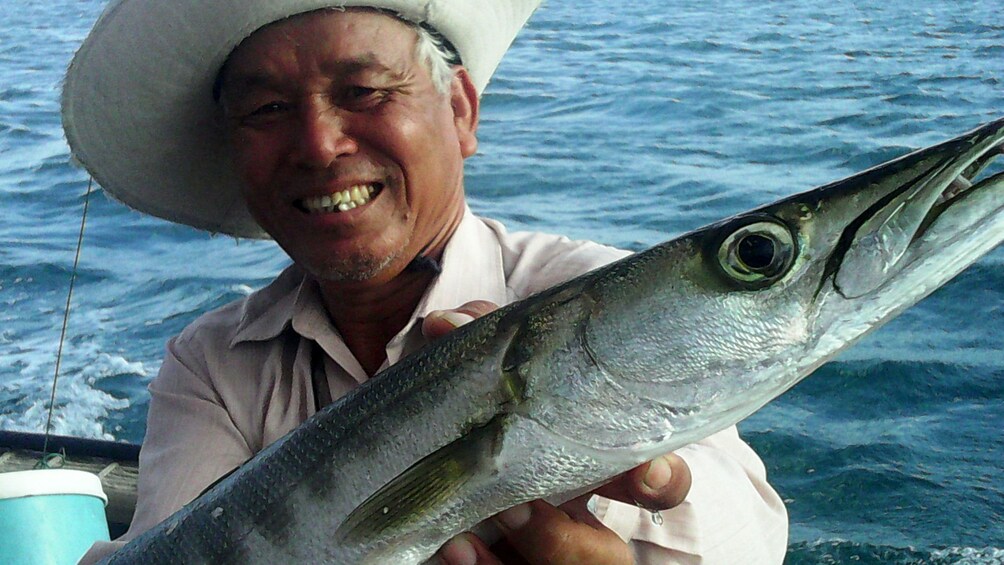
[[373, 315], [368, 314]]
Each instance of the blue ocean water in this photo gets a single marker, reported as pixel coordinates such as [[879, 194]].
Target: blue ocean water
[[627, 124]]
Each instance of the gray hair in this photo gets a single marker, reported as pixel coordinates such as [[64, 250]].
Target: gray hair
[[431, 49], [435, 52]]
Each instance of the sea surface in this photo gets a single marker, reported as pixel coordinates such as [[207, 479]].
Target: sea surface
[[627, 123]]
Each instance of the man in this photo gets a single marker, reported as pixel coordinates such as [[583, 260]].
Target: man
[[344, 133]]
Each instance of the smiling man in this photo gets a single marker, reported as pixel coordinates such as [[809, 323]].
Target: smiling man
[[342, 134], [351, 158]]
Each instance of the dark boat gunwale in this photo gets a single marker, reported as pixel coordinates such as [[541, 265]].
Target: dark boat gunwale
[[71, 446]]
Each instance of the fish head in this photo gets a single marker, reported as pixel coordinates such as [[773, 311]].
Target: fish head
[[709, 327]]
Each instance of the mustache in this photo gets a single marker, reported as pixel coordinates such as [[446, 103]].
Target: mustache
[[345, 173]]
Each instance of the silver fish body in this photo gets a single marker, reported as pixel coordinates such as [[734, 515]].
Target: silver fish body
[[568, 388]]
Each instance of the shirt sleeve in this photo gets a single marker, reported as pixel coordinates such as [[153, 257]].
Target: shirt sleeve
[[731, 515], [190, 442]]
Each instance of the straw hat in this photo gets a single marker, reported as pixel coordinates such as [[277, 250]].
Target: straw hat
[[138, 109]]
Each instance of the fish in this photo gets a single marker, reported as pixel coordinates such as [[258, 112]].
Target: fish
[[562, 391]]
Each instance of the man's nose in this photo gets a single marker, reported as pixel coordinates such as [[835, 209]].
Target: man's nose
[[323, 137]]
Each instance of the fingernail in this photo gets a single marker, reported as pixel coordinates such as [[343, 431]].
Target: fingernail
[[458, 551], [454, 318], [659, 474], [515, 517]]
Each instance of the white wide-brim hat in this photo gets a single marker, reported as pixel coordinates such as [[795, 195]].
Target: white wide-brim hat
[[138, 106]]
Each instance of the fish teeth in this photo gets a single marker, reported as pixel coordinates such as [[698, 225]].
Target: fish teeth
[[341, 201], [957, 186]]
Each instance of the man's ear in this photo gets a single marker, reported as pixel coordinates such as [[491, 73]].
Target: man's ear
[[465, 103]]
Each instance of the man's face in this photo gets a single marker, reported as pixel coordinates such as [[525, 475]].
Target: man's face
[[332, 104]]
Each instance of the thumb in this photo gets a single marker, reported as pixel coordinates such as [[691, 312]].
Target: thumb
[[441, 322]]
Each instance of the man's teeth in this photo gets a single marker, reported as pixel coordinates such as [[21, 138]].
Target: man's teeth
[[341, 201]]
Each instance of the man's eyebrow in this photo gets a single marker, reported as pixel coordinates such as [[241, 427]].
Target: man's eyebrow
[[247, 81], [364, 62], [260, 79]]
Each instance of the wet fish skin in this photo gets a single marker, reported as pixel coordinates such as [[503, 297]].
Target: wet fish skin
[[568, 388]]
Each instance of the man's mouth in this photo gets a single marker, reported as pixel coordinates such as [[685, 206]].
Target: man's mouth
[[342, 201]]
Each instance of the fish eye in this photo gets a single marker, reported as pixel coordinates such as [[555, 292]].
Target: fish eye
[[756, 254]]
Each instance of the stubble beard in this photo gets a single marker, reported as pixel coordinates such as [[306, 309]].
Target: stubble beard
[[357, 267]]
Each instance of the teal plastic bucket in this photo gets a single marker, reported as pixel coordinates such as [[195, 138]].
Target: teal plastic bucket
[[50, 516]]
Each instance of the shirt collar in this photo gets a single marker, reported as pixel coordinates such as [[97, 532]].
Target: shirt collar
[[471, 269], [266, 312]]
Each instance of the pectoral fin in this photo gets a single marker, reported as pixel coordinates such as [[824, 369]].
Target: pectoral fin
[[424, 487]]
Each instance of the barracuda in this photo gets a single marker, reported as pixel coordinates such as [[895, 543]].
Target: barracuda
[[568, 388]]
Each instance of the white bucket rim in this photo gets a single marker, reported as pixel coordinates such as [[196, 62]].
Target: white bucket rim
[[42, 482]]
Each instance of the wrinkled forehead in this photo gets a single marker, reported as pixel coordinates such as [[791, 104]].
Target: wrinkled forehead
[[280, 32], [387, 26]]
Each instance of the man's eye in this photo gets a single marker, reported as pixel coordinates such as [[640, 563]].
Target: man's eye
[[361, 91], [267, 109], [362, 97], [256, 115]]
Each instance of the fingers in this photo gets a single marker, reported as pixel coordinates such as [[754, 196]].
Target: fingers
[[657, 485], [441, 322], [537, 533], [540, 534], [467, 549], [545, 535], [578, 510]]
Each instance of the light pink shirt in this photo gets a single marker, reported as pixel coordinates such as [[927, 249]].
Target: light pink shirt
[[222, 395]]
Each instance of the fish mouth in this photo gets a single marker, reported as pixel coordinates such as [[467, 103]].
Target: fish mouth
[[340, 201], [968, 182], [917, 195]]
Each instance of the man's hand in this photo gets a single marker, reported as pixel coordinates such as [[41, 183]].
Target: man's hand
[[537, 533]]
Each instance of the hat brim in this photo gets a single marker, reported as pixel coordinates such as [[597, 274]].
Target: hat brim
[[138, 109]]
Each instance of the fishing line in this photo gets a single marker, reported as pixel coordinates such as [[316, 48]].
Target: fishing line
[[66, 318]]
